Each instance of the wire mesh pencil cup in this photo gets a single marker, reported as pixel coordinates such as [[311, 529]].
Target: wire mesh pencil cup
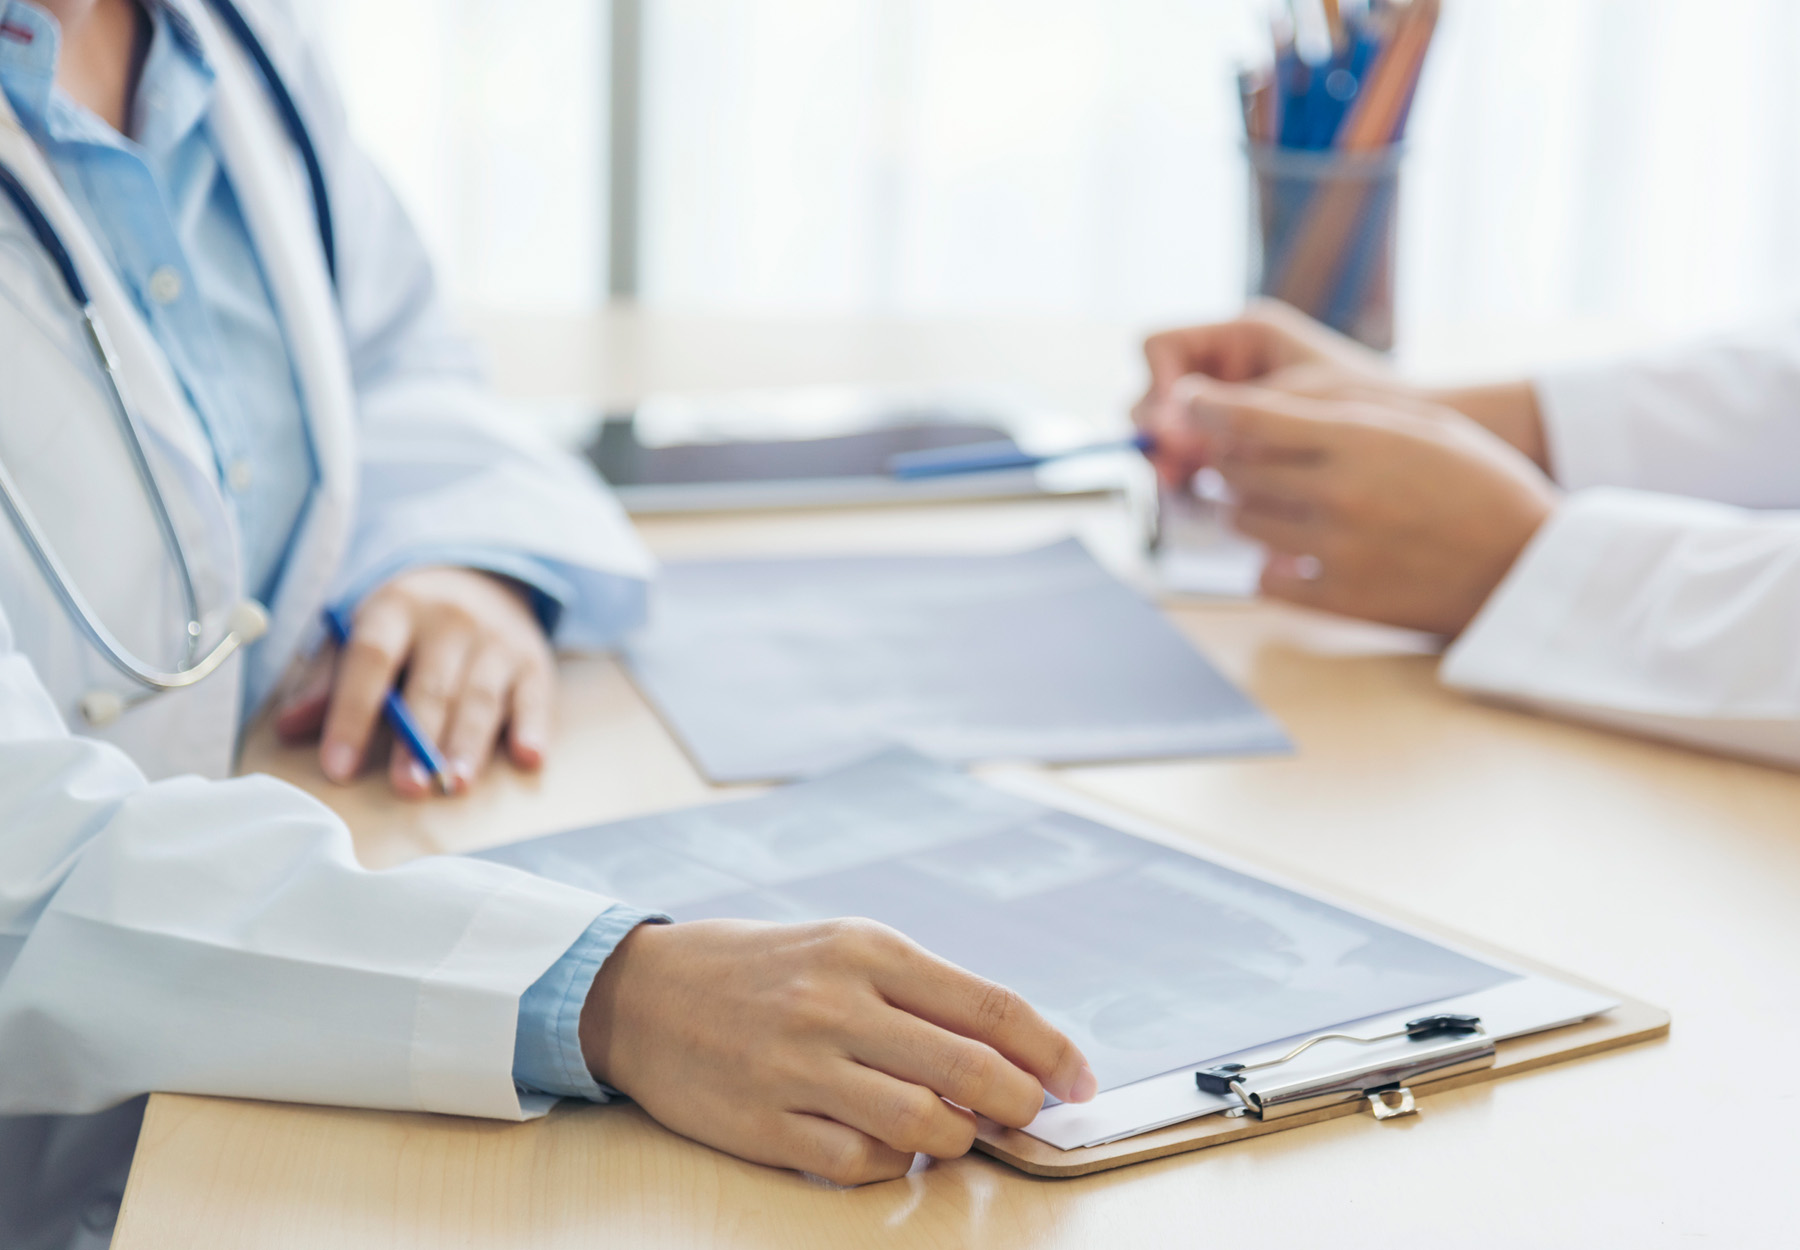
[[1322, 229]]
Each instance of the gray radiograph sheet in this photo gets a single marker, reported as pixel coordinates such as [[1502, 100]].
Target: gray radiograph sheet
[[1148, 958], [775, 669]]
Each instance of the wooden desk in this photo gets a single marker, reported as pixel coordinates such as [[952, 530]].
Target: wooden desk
[[1667, 874]]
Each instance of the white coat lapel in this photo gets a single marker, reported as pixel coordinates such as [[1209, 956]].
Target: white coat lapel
[[157, 395], [273, 192], [189, 730]]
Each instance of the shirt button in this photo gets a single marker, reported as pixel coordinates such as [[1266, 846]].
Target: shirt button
[[240, 475], [165, 285], [101, 1212]]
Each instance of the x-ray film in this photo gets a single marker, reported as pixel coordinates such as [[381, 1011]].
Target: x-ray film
[[1148, 957], [775, 669]]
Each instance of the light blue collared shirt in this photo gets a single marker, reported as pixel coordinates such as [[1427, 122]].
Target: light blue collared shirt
[[165, 213]]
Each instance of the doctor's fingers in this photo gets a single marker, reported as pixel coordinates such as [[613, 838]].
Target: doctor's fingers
[[533, 709], [936, 990], [437, 672], [1296, 491], [906, 1118], [1232, 351], [967, 1073], [380, 639], [1269, 336], [502, 683], [1199, 421], [823, 1147], [1257, 424], [301, 703], [1307, 557], [1286, 527]]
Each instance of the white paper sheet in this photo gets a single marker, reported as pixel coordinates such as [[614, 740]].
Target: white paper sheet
[[1197, 552], [1515, 1008]]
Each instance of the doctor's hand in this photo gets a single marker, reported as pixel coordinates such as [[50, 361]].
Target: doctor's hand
[[1409, 514], [476, 664], [839, 1048]]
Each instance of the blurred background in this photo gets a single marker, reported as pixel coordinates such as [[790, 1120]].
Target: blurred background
[[1630, 162]]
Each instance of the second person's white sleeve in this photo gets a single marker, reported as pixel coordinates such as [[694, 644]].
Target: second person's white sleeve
[[1718, 420], [1669, 617]]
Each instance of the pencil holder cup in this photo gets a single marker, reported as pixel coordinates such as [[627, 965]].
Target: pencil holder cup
[[1322, 235]]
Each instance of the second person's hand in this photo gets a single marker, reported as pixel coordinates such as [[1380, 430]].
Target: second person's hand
[[1277, 347], [1272, 344], [477, 665], [1404, 513]]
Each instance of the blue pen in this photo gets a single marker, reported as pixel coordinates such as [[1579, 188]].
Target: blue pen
[[399, 717], [992, 457]]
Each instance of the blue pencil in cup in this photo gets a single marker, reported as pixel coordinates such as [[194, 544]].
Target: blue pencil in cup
[[399, 717]]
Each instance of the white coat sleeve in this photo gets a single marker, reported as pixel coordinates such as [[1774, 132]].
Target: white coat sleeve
[[1675, 618], [219, 938], [444, 467], [1718, 420]]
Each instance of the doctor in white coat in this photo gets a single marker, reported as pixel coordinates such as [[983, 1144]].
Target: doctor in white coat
[[317, 438], [1617, 543]]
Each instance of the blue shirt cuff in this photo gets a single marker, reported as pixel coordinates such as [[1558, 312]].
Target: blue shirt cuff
[[547, 1055], [550, 592]]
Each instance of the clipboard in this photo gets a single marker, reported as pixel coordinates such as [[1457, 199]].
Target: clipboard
[[1383, 1055], [1629, 1023]]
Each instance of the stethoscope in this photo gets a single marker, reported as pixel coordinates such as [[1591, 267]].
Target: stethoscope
[[248, 620]]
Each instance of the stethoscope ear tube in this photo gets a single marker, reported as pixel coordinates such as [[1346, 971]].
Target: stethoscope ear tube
[[46, 235]]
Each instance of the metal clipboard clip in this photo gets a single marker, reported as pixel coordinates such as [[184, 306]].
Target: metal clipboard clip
[[1436, 1046]]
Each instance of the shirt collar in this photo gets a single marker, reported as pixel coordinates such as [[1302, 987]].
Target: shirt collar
[[174, 90], [29, 38]]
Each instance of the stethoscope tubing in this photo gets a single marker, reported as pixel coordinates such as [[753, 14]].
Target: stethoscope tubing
[[75, 605], [234, 22], [248, 620]]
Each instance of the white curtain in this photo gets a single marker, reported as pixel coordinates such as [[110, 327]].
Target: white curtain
[[1629, 159], [1606, 159], [489, 116]]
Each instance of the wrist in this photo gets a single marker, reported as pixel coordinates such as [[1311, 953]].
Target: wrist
[[1512, 526], [1508, 409], [600, 1027]]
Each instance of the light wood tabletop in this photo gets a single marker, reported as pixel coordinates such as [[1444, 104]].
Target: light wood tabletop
[[1666, 874]]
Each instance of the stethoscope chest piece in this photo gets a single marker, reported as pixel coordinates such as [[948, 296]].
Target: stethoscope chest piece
[[100, 707]]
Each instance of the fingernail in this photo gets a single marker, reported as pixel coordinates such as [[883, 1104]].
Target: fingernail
[[463, 772], [417, 776], [338, 759], [1085, 1087]]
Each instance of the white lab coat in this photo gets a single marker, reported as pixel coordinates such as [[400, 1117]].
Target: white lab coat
[[162, 927], [1663, 595]]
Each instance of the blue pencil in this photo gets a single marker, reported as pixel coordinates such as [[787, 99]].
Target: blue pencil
[[400, 718], [993, 457]]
